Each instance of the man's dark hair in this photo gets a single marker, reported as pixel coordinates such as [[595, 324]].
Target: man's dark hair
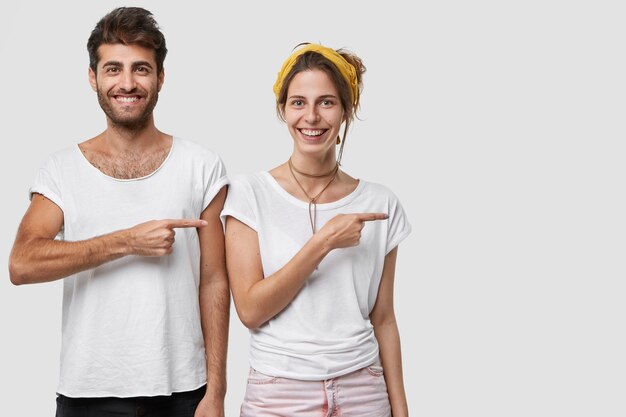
[[128, 26]]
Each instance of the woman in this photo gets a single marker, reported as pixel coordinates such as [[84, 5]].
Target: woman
[[311, 255]]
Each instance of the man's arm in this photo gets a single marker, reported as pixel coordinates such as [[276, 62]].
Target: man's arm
[[214, 307], [37, 257]]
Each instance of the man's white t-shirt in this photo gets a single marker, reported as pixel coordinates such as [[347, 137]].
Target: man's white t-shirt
[[325, 331], [131, 327]]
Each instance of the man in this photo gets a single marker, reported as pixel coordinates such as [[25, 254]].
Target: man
[[145, 315]]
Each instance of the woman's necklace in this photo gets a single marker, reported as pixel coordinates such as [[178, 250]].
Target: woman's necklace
[[313, 200]]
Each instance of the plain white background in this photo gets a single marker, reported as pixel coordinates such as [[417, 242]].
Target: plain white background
[[499, 124]]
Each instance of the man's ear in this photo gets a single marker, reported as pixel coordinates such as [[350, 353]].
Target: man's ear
[[92, 80], [161, 79]]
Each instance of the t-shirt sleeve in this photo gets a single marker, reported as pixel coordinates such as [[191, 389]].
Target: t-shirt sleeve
[[215, 179], [399, 226], [240, 204], [47, 183]]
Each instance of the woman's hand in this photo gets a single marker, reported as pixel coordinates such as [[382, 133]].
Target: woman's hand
[[344, 230]]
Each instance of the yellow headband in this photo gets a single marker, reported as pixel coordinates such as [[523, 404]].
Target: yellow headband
[[345, 68]]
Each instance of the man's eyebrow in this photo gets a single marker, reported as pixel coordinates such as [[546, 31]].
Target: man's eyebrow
[[134, 64], [112, 63], [142, 64]]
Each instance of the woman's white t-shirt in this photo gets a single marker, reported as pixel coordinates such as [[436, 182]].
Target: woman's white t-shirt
[[325, 331]]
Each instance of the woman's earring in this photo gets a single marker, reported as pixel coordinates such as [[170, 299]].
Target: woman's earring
[[338, 140]]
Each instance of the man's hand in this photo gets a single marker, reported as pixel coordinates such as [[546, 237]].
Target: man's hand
[[156, 237], [209, 408]]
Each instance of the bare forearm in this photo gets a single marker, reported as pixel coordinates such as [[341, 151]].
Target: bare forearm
[[270, 296], [215, 312], [390, 353], [41, 260]]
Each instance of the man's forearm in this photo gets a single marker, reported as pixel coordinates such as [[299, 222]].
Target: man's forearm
[[215, 312], [41, 260]]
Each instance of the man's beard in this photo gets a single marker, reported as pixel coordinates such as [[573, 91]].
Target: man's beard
[[127, 121]]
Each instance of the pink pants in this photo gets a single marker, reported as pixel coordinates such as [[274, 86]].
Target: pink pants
[[361, 393]]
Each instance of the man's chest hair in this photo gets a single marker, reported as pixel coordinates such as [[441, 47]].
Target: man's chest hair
[[128, 165]]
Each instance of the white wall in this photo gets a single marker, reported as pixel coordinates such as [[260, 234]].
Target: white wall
[[499, 124]]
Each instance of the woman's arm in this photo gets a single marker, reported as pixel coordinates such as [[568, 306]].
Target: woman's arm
[[257, 299], [386, 330]]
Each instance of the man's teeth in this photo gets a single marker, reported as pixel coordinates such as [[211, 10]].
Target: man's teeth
[[127, 99], [312, 132]]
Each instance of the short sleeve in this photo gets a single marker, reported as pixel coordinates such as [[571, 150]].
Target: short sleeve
[[399, 226], [240, 203], [214, 179], [47, 183]]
